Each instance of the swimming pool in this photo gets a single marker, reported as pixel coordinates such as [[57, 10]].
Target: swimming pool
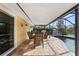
[[70, 42]]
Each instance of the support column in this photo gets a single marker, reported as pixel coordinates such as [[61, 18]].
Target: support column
[[49, 30], [77, 32]]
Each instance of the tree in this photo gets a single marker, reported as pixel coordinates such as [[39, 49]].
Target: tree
[[60, 26]]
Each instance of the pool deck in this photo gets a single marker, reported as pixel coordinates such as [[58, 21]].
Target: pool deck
[[52, 47], [69, 36], [72, 36]]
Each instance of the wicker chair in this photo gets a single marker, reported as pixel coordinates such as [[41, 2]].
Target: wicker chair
[[39, 39]]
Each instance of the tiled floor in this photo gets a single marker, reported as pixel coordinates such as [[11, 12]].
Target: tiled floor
[[52, 47], [19, 50], [40, 51]]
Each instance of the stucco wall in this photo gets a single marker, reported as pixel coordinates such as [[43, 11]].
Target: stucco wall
[[21, 27], [20, 33]]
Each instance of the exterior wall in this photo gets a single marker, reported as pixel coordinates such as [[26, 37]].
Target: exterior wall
[[20, 33], [20, 30]]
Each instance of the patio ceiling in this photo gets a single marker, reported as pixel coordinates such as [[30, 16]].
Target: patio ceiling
[[40, 13]]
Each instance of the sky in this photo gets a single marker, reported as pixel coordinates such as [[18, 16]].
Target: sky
[[71, 19]]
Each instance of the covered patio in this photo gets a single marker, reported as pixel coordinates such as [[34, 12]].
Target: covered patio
[[43, 29]]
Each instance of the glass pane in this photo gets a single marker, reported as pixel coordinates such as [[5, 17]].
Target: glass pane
[[64, 29]]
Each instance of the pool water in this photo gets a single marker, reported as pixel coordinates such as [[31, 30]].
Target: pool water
[[70, 43]]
